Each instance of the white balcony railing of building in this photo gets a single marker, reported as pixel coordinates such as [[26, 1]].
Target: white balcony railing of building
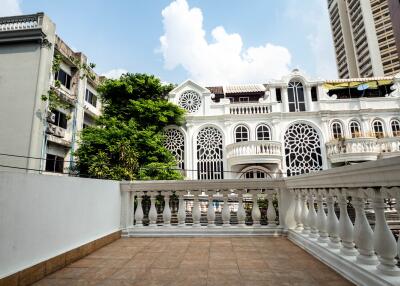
[[249, 108], [254, 151], [362, 149], [24, 22], [361, 247]]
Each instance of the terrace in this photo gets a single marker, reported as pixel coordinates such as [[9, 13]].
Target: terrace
[[333, 227]]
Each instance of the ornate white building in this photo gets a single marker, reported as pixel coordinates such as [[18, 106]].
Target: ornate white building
[[287, 127]]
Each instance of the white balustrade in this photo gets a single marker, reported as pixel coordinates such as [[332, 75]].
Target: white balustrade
[[249, 108], [24, 22], [254, 148]]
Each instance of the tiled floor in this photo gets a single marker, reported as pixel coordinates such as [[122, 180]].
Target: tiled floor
[[197, 261]]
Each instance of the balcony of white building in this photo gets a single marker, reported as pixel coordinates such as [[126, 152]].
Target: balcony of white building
[[254, 152], [333, 227]]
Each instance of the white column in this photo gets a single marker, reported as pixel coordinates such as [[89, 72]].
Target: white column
[[332, 222], [255, 212], [139, 210], [346, 229], [124, 209], [363, 235], [271, 213], [181, 209], [210, 210], [167, 209], [297, 210], [304, 213], [196, 213], [284, 95], [312, 215], [153, 210], [226, 213], [321, 217], [131, 209], [384, 241], [241, 213]]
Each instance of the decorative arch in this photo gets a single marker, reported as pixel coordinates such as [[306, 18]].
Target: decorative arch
[[263, 132], [255, 172], [241, 133], [296, 96], [175, 143], [210, 157], [302, 149]]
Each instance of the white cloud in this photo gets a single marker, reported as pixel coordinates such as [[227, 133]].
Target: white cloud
[[115, 73], [222, 61], [10, 8]]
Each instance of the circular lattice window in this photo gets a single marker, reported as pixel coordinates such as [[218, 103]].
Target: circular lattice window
[[190, 100]]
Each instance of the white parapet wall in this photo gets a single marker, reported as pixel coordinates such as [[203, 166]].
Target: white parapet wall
[[44, 216]]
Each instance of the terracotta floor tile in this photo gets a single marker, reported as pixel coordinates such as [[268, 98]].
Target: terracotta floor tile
[[129, 274]]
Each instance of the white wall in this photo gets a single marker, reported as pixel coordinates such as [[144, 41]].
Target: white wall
[[43, 216]]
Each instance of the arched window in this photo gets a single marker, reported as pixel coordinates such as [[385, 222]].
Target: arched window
[[377, 126], [302, 150], [296, 97], [255, 173], [395, 124], [241, 134], [355, 129], [175, 143], [337, 130], [263, 132], [209, 154]]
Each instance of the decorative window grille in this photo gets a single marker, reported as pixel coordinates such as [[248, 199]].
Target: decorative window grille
[[296, 97], [337, 130], [395, 124], [263, 132], [241, 134], [355, 129], [302, 150], [255, 173], [175, 143], [190, 100], [377, 126], [209, 154]]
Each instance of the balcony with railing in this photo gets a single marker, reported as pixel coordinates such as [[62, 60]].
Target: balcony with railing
[[253, 152], [362, 149], [24, 27], [249, 108]]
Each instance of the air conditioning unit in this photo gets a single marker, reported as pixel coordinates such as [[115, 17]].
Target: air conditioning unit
[[59, 132], [51, 129], [51, 117]]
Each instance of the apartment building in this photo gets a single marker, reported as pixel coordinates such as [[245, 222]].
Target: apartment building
[[366, 35], [35, 65]]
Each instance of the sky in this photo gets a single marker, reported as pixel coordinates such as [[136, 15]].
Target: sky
[[209, 41]]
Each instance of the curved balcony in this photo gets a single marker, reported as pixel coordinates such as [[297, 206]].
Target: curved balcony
[[354, 149], [389, 147], [253, 152]]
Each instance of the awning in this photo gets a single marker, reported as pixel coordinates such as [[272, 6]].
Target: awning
[[372, 84]]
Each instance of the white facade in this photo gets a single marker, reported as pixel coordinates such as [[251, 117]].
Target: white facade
[[230, 139]]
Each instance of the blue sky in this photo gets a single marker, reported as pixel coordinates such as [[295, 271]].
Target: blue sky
[[224, 41]]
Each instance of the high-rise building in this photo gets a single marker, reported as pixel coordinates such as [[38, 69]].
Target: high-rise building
[[36, 64], [366, 34]]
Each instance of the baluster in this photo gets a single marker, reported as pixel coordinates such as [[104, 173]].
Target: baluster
[[346, 228], [312, 215], [167, 209], [211, 210], [131, 209], [332, 221], [241, 213], [255, 212], [384, 241], [321, 217], [271, 213], [363, 234], [139, 210], [297, 210], [304, 213], [153, 210], [182, 209], [395, 193], [226, 213], [196, 213]]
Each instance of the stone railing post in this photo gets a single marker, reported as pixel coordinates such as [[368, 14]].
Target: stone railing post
[[363, 235], [332, 221], [395, 193], [226, 212], [181, 208], [196, 213], [297, 210], [312, 215], [241, 213], [271, 212], [321, 217], [304, 213], [167, 209], [153, 211], [139, 210], [255, 212], [346, 228], [384, 241], [210, 209]]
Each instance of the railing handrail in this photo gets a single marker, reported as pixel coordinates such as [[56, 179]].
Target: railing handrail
[[256, 142], [244, 104]]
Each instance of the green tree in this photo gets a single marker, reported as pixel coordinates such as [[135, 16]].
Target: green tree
[[127, 142]]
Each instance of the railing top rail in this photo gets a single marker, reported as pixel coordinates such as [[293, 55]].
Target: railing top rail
[[236, 184], [258, 142], [246, 104]]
